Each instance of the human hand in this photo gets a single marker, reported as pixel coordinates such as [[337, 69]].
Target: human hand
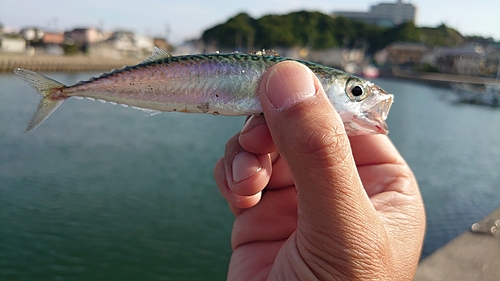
[[311, 203]]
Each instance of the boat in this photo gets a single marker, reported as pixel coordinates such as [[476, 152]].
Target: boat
[[368, 71], [488, 94]]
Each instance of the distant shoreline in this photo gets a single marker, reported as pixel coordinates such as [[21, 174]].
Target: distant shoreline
[[52, 63], [442, 79], [79, 63]]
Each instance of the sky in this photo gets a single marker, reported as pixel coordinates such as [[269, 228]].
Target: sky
[[181, 20]]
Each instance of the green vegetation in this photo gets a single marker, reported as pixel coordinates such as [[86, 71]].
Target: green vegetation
[[441, 36], [426, 67], [319, 31], [71, 49]]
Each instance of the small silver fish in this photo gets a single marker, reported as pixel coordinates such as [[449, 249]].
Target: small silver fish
[[223, 84]]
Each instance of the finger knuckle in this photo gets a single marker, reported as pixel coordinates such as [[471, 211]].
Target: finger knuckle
[[324, 141]]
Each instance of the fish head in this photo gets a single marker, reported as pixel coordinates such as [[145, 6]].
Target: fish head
[[362, 105]]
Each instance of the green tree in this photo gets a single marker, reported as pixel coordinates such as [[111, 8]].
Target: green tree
[[238, 32], [324, 37], [441, 36], [319, 31], [405, 32], [275, 31]]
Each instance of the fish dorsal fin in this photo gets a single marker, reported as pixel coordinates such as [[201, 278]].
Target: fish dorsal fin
[[158, 54]]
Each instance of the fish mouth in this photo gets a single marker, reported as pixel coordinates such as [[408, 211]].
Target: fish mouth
[[383, 107], [371, 121]]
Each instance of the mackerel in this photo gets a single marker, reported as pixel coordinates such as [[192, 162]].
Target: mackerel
[[224, 84]]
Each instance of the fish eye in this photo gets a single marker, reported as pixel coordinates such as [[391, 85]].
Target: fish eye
[[355, 90]]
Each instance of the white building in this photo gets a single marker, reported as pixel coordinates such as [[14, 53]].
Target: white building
[[399, 12], [12, 45], [383, 14], [122, 44], [32, 33], [87, 35]]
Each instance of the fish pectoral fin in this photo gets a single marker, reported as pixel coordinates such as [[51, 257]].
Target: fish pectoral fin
[[158, 54]]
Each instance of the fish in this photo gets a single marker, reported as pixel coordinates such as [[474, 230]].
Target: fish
[[214, 83]]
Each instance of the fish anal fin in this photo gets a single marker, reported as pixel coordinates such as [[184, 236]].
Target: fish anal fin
[[148, 112]]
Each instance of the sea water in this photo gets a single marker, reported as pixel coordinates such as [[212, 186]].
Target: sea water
[[100, 192]]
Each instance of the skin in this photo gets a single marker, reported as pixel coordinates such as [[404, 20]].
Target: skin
[[311, 203]]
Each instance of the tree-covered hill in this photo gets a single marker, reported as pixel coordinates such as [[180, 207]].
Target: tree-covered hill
[[320, 31]]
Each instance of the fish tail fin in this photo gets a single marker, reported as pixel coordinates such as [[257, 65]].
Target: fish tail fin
[[44, 86]]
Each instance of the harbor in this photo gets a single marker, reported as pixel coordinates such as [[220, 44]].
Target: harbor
[[469, 256], [100, 192]]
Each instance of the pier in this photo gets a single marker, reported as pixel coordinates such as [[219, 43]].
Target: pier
[[470, 256]]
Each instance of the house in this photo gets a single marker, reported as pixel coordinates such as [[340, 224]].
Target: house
[[32, 34], [162, 44], [402, 54], [52, 42], [12, 45], [55, 38], [122, 44], [85, 36], [468, 60]]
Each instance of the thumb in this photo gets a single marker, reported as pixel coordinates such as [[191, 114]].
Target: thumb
[[334, 210]]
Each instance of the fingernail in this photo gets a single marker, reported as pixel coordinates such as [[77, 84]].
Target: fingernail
[[250, 124], [240, 198], [244, 166], [289, 84]]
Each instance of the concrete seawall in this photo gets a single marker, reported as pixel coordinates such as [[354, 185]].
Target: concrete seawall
[[470, 256], [48, 63]]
